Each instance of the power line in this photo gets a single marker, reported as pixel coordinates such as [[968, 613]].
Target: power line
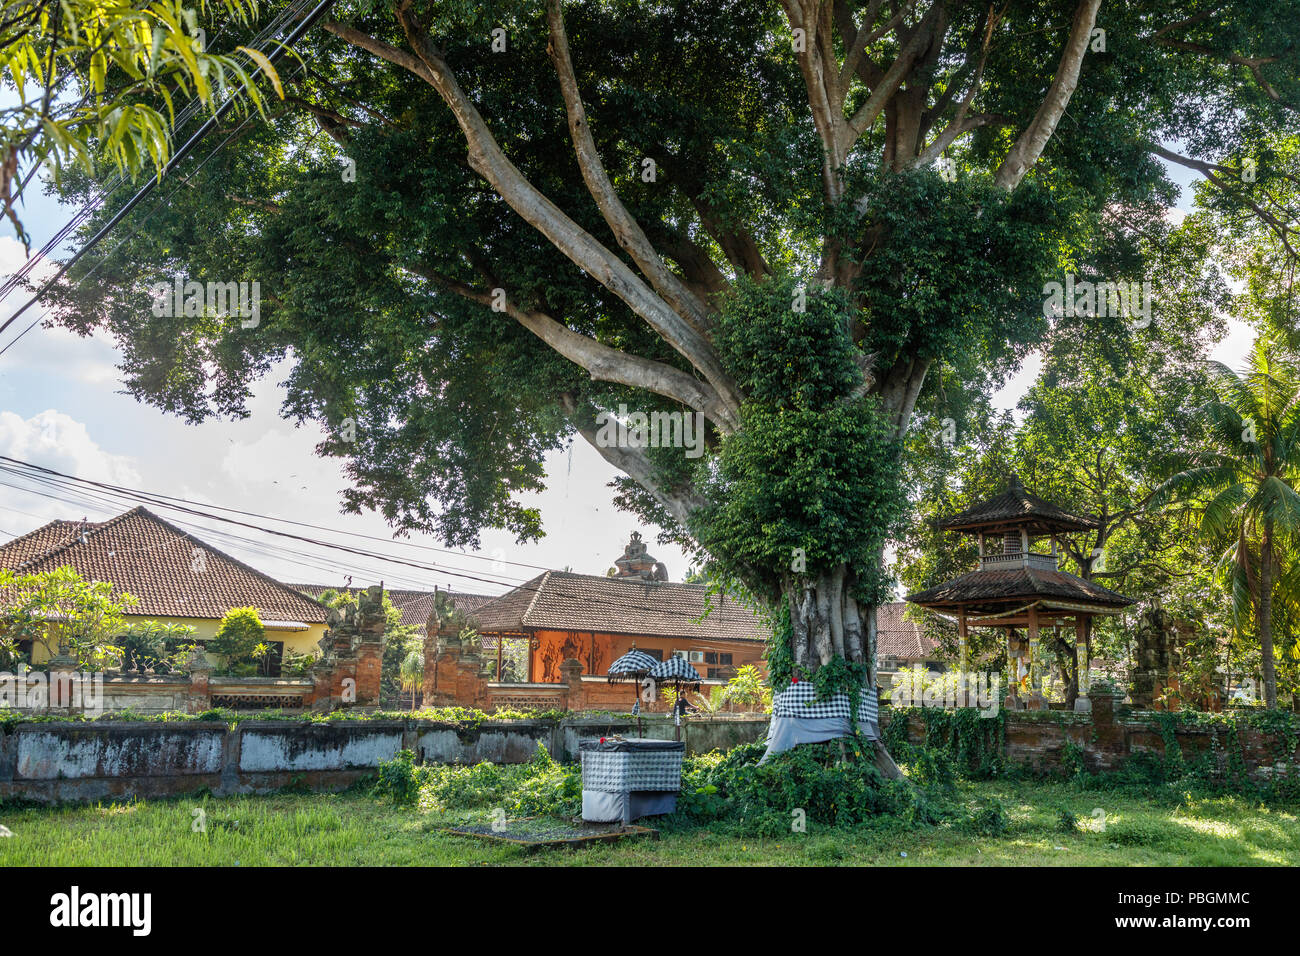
[[294, 35], [143, 222], [117, 179], [145, 496], [326, 566], [160, 498]]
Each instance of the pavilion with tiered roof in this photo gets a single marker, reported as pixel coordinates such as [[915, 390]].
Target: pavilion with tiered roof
[[1018, 589]]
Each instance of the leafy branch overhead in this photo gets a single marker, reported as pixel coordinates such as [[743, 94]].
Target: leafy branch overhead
[[102, 82], [479, 227]]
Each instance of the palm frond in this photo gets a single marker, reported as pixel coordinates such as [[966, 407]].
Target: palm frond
[[1224, 511], [1280, 504]]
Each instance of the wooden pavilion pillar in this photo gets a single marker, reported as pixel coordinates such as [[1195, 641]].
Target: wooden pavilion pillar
[[1081, 703], [962, 643], [1036, 701], [1013, 676]]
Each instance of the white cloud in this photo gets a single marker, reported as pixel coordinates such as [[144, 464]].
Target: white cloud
[[88, 361], [13, 255], [54, 440], [283, 456]]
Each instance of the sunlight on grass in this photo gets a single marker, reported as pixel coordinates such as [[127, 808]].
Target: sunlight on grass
[[1216, 828], [356, 829]]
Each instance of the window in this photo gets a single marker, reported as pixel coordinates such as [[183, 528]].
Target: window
[[710, 657], [724, 659], [657, 653]]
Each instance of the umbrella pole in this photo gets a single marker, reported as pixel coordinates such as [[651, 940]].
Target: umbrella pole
[[677, 705]]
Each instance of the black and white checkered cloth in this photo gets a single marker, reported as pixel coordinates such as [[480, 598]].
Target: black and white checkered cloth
[[799, 700], [674, 668], [626, 771], [631, 664]]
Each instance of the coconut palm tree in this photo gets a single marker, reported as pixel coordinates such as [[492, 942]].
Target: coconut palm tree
[[1243, 484], [412, 673]]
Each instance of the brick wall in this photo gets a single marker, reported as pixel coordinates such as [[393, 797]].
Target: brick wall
[[458, 674], [1109, 736]]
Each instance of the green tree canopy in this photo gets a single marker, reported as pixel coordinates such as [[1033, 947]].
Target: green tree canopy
[[1245, 483], [484, 225]]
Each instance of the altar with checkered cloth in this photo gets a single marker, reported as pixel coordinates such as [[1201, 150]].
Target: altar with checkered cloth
[[626, 779]]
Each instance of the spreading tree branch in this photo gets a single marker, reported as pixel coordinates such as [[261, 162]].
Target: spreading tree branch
[[489, 161], [626, 229], [602, 362], [1031, 143]]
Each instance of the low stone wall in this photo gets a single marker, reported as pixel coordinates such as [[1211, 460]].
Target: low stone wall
[[52, 762], [55, 762], [147, 695]]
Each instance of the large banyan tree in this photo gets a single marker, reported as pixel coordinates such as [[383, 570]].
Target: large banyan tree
[[481, 226]]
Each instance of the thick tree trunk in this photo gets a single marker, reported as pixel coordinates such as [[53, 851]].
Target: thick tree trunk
[[826, 621], [1266, 616]]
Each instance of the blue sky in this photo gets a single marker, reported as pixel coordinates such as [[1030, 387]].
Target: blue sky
[[61, 407]]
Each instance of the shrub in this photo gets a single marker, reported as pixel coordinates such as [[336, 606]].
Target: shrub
[[237, 640], [399, 780], [738, 793], [547, 788], [990, 819]]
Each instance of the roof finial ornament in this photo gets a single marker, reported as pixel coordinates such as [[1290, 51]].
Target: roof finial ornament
[[636, 563]]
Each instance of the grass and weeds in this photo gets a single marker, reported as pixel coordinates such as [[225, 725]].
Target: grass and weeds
[[813, 806]]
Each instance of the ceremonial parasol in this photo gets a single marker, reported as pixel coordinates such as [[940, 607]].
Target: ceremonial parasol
[[634, 666], [677, 670]]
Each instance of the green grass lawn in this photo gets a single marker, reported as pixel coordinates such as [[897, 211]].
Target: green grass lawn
[[356, 829]]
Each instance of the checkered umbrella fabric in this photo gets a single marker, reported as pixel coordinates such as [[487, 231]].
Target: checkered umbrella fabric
[[675, 668], [632, 664]]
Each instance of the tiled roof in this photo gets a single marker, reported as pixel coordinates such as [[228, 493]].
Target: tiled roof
[[171, 572], [416, 606], [1016, 507], [990, 590], [564, 601], [33, 544], [896, 637]]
